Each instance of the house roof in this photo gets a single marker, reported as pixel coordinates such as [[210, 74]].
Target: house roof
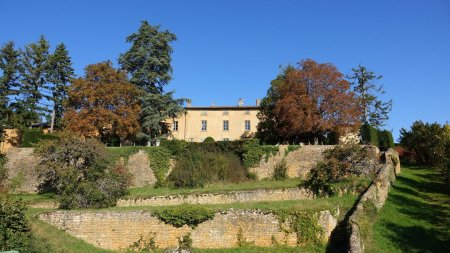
[[220, 108]]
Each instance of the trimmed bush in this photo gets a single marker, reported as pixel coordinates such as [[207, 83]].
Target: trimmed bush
[[369, 135], [209, 139], [386, 140], [178, 216]]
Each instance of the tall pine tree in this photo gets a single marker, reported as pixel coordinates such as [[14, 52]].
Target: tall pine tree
[[34, 84], [148, 62], [148, 59], [9, 81], [59, 74], [375, 111]]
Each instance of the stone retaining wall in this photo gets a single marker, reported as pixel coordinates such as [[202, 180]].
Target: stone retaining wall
[[220, 198], [374, 198], [298, 162], [118, 230]]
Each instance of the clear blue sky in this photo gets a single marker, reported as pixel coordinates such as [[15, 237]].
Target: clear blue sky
[[232, 49]]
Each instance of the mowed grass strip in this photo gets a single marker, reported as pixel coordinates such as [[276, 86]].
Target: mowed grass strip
[[217, 187], [416, 216]]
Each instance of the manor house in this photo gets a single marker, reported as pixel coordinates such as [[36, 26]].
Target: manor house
[[222, 123]]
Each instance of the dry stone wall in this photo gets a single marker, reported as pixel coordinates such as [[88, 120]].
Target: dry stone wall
[[139, 166], [118, 230], [298, 162], [372, 201], [220, 198]]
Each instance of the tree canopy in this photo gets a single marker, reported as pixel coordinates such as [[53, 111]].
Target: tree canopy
[[311, 100], [375, 111], [103, 103], [148, 59]]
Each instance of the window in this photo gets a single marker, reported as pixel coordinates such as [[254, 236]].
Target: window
[[225, 125], [204, 125], [247, 112], [247, 125], [225, 113], [203, 113], [175, 126]]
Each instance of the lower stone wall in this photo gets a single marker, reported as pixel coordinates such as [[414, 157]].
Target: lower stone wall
[[220, 198], [372, 201], [119, 230]]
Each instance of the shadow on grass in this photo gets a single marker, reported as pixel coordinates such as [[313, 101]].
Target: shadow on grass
[[416, 238]]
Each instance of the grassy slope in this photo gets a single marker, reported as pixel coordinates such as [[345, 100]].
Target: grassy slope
[[147, 191], [416, 216]]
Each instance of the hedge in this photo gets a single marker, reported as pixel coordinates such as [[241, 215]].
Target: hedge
[[31, 137], [369, 135], [386, 140]]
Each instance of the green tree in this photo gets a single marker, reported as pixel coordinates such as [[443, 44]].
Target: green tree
[[268, 122], [9, 81], [148, 63], [33, 71], [148, 59], [155, 109], [375, 111], [60, 73]]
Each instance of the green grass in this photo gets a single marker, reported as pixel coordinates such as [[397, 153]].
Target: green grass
[[344, 203], [279, 249], [51, 239], [416, 216], [148, 191]]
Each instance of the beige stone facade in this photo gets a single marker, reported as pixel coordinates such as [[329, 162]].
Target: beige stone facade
[[219, 122]]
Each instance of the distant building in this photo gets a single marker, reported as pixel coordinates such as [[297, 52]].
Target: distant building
[[223, 123]]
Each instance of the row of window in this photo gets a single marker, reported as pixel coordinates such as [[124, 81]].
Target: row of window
[[226, 125]]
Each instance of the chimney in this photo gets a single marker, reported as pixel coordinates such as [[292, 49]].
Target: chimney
[[258, 102], [188, 103], [240, 102]]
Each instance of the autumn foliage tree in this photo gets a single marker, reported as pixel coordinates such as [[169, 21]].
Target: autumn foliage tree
[[103, 104], [313, 100]]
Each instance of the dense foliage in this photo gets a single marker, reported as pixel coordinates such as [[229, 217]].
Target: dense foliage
[[103, 104], [375, 111], [340, 163], [306, 103], [15, 231], [427, 144], [369, 134], [30, 137], [79, 173], [195, 169], [280, 171], [190, 215], [304, 224]]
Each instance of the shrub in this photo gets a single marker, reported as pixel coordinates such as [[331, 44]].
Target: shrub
[[3, 174], [253, 152], [369, 135], [386, 140], [178, 216], [195, 169], [30, 137], [340, 163], [280, 172], [160, 162], [304, 224], [80, 173], [15, 232], [175, 147], [209, 139]]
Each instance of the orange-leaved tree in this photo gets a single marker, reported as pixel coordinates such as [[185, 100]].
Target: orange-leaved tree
[[103, 104], [315, 99]]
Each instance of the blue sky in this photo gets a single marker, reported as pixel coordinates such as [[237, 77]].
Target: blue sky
[[232, 49]]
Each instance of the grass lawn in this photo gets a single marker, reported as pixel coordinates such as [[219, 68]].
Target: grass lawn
[[416, 216], [148, 191]]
